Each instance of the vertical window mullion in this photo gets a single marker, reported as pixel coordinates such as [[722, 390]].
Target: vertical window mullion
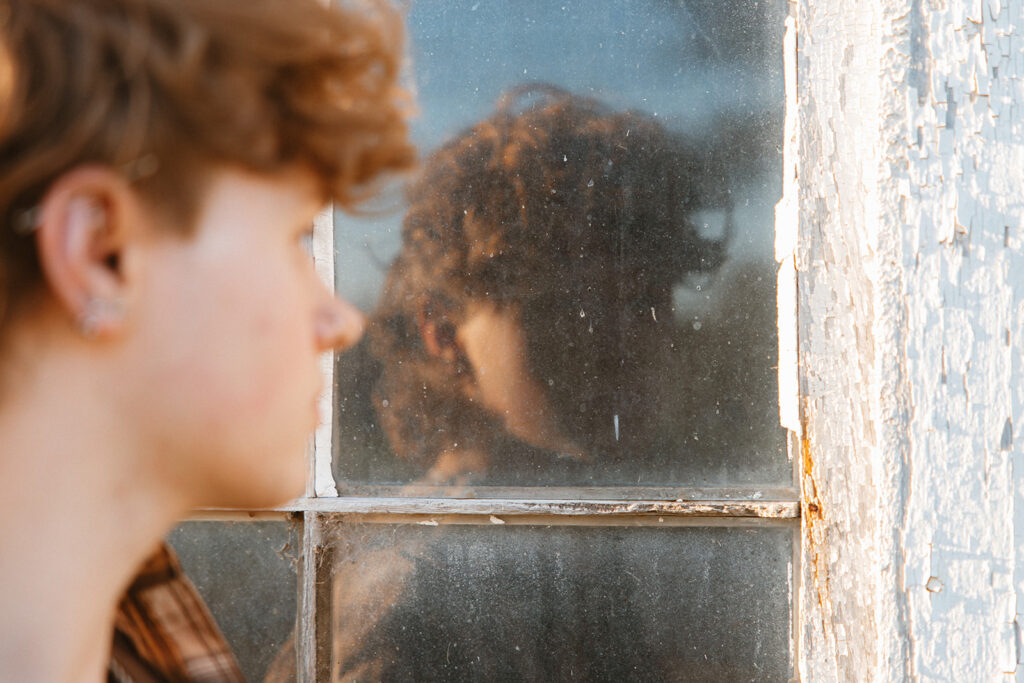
[[305, 615], [321, 479]]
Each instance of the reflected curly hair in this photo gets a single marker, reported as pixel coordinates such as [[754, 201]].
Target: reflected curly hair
[[178, 86], [572, 215]]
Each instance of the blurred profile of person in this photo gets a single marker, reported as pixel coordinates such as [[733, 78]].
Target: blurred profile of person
[[532, 299], [527, 332], [161, 164]]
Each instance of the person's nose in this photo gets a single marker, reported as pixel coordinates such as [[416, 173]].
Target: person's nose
[[339, 324]]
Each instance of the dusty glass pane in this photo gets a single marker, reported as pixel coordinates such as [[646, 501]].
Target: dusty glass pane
[[579, 287], [246, 573], [524, 603]]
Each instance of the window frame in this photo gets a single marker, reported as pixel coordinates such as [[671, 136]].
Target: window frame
[[730, 506], [872, 77]]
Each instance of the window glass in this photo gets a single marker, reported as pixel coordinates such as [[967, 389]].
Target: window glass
[[583, 292], [532, 603], [246, 574]]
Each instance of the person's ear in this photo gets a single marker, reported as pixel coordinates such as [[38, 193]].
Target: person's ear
[[80, 235], [438, 333]]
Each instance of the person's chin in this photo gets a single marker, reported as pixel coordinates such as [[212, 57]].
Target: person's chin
[[289, 485], [273, 486], [270, 494]]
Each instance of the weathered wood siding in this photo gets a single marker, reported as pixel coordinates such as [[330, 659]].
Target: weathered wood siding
[[908, 155]]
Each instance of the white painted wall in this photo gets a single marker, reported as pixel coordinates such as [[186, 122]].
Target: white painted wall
[[909, 159]]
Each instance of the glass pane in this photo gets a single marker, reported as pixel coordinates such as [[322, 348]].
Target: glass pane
[[246, 573], [583, 292], [525, 603]]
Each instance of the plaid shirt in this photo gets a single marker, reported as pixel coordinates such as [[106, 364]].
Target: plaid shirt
[[164, 632]]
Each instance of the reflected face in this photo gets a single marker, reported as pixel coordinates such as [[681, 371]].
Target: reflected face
[[229, 328], [495, 345]]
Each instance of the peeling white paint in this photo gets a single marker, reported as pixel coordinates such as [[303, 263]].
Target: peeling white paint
[[787, 228], [323, 484], [911, 332]]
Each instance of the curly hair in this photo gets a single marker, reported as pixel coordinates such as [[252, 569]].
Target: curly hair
[[575, 217], [174, 87]]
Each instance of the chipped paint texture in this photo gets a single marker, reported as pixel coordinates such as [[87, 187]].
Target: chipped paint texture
[[910, 261], [321, 479]]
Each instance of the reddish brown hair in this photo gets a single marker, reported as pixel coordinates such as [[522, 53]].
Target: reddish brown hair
[[578, 218], [183, 85]]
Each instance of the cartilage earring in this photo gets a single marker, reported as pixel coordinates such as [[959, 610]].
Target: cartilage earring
[[26, 222]]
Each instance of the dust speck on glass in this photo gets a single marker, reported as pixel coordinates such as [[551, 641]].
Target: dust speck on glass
[[578, 289]]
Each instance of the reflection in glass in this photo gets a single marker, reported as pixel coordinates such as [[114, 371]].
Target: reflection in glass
[[246, 574], [512, 603], [582, 290]]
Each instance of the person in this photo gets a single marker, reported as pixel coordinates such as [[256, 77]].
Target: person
[[161, 164], [527, 323], [528, 333]]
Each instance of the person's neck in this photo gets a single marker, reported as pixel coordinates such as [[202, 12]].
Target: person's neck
[[78, 515]]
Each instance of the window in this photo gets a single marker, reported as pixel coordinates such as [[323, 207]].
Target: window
[[557, 454], [900, 242]]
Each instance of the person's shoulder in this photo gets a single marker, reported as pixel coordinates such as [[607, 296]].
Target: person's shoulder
[[164, 631]]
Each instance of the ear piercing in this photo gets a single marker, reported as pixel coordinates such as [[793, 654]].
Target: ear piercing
[[99, 314]]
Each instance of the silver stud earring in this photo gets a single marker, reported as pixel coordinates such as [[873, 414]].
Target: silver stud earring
[[97, 313]]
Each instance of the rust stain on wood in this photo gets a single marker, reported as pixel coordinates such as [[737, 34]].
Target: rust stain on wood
[[813, 515]]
